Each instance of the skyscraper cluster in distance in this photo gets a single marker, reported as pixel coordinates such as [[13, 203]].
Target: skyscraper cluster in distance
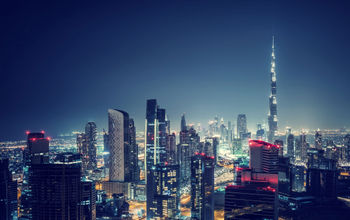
[[219, 171]]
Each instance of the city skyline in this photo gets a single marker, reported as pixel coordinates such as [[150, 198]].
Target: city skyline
[[174, 110], [212, 65]]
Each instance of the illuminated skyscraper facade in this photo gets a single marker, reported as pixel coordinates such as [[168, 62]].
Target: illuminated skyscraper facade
[[241, 125], [304, 147], [254, 194], [164, 179], [171, 149], [155, 134], [189, 143], [86, 144], [202, 187], [263, 156], [155, 146], [83, 151], [119, 159], [134, 152], [272, 116], [90, 138], [290, 146]]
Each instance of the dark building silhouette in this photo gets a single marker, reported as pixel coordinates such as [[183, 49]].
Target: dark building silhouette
[[36, 152], [255, 200], [183, 123], [59, 193], [8, 192]]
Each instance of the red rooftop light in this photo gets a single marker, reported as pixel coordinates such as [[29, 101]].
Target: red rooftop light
[[27, 132], [259, 143], [42, 131], [239, 169]]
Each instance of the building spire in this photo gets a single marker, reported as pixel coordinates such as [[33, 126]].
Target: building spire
[[183, 123], [272, 117]]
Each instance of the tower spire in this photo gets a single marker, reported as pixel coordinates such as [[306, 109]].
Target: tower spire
[[272, 117]]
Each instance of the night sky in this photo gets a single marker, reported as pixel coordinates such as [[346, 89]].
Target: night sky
[[63, 64]]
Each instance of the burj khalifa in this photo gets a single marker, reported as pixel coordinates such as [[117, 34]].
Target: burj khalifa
[[272, 116]]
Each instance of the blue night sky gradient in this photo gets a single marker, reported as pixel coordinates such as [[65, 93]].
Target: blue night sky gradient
[[63, 64]]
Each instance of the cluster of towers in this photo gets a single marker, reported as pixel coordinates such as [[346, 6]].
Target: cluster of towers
[[276, 182], [171, 169]]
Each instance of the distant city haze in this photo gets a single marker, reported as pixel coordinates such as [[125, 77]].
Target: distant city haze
[[65, 64]]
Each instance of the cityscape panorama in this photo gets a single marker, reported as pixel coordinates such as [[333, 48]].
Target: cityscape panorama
[[175, 110]]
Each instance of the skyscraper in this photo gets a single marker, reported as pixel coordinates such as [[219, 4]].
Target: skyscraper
[[304, 147], [254, 195], [134, 152], [255, 199], [8, 192], [90, 138], [36, 152], [59, 193], [263, 156], [297, 149], [118, 131], [106, 149], [318, 140], [171, 149], [229, 133], [260, 132], [155, 145], [279, 144], [83, 151], [290, 146], [183, 122], [189, 143], [55, 191], [164, 179], [241, 125], [155, 134], [272, 116], [202, 187]]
